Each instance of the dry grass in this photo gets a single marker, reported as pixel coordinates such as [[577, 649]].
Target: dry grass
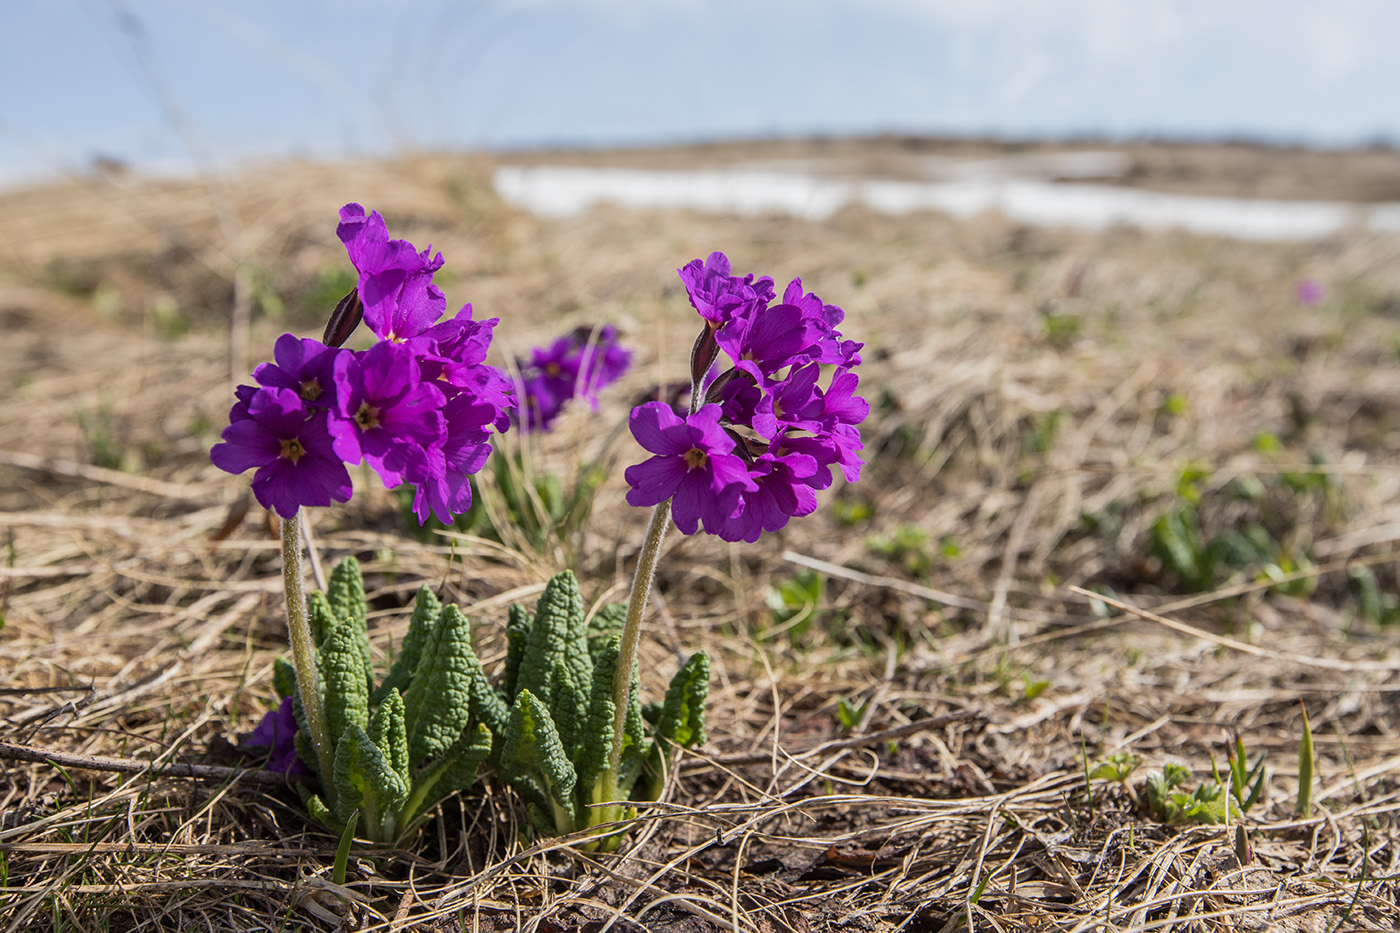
[[1041, 399]]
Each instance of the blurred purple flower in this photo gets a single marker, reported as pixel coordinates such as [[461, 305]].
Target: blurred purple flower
[[578, 365], [1310, 293], [276, 733]]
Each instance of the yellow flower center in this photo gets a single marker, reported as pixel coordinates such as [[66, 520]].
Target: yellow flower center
[[292, 449], [310, 390], [696, 459], [367, 417]]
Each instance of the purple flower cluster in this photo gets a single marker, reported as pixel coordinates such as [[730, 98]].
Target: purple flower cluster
[[763, 435], [579, 364], [418, 406]]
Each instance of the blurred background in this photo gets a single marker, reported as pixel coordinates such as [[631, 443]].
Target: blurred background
[[173, 86]]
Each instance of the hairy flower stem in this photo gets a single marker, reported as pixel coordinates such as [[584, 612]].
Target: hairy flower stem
[[631, 637], [304, 650]]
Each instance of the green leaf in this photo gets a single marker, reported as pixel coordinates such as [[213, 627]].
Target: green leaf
[[517, 639], [345, 591], [365, 780], [1306, 762], [683, 713], [342, 851], [455, 770], [426, 611], [532, 747], [596, 740], [316, 808], [568, 710], [390, 734], [557, 632], [284, 677], [320, 616], [606, 624], [636, 748], [437, 707], [343, 674]]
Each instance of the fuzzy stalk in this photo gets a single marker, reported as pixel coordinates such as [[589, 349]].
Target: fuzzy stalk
[[304, 651], [631, 638]]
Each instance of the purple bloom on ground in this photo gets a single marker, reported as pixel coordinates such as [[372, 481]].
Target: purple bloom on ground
[[694, 465], [578, 365], [276, 733], [396, 282], [1310, 293], [291, 449]]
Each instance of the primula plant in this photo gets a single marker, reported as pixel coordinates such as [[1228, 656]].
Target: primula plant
[[564, 725]]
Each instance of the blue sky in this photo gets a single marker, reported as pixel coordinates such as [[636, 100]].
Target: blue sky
[[344, 78]]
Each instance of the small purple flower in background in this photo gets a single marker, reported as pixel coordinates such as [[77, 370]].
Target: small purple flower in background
[[276, 733], [785, 430], [418, 406], [578, 365], [1310, 293]]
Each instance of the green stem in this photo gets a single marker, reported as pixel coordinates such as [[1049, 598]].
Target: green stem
[[631, 637], [304, 653]]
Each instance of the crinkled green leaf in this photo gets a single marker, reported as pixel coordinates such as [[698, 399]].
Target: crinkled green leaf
[[596, 740], [345, 591], [365, 780], [389, 733], [426, 611], [556, 632], [454, 770], [316, 808], [566, 709], [343, 677], [532, 747], [284, 677], [682, 717], [517, 638], [606, 624], [636, 748], [437, 707], [320, 616]]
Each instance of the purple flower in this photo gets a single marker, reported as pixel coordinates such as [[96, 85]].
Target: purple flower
[[276, 733], [578, 365], [396, 282], [305, 366], [694, 465], [716, 294], [794, 430], [388, 415], [290, 447], [418, 406], [1310, 293]]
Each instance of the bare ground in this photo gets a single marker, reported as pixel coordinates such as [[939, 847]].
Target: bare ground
[[909, 755]]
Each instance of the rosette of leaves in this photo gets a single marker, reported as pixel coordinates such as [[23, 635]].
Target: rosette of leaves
[[553, 715], [401, 746]]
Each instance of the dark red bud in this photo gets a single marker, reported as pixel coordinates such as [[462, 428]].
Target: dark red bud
[[344, 319]]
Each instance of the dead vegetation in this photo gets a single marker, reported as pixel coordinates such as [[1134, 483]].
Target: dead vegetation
[[900, 742]]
